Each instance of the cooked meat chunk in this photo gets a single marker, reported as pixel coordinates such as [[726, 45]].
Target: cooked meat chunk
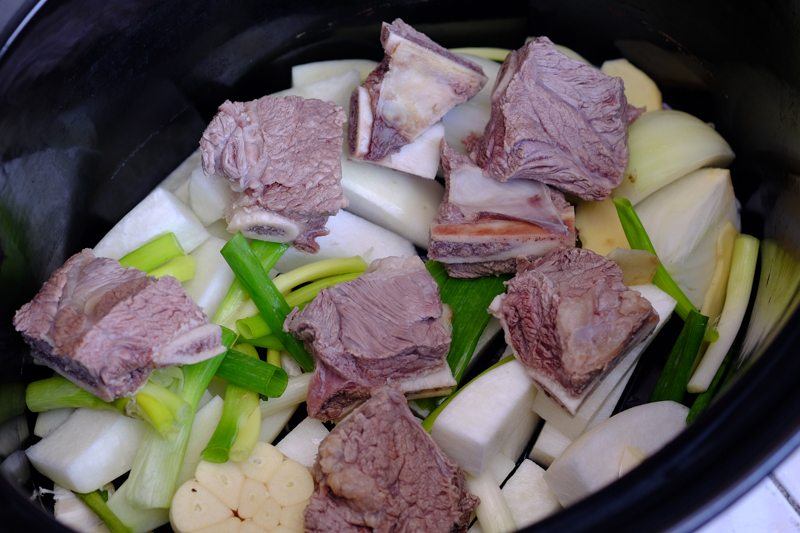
[[106, 327], [558, 121], [483, 225], [378, 470], [387, 326], [282, 155], [417, 82], [569, 318]]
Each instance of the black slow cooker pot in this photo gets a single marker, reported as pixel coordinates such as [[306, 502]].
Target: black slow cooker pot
[[99, 100]]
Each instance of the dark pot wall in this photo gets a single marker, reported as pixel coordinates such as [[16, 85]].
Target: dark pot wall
[[100, 100]]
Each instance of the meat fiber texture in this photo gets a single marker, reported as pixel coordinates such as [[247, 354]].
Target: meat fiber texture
[[282, 156], [378, 470], [106, 327], [484, 225], [384, 327], [570, 319], [558, 121], [417, 82]]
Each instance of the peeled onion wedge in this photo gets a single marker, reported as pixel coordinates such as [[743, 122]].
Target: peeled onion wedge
[[593, 460], [665, 145], [640, 90]]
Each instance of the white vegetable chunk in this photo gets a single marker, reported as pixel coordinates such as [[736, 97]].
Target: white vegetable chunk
[[72, 512], [49, 421], [593, 460], [665, 145], [302, 442], [349, 235], [160, 212], [399, 202], [549, 444], [312, 72], [574, 425], [178, 177], [684, 221], [492, 512], [90, 449], [203, 426], [209, 196], [473, 428], [500, 467], [336, 89], [528, 496], [273, 424], [212, 276]]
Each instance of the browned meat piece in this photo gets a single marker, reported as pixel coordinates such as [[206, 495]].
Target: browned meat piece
[[558, 121], [417, 82], [387, 326], [283, 156], [569, 319], [483, 225], [378, 470], [106, 327]]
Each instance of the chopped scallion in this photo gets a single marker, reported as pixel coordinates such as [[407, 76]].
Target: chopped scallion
[[154, 253]]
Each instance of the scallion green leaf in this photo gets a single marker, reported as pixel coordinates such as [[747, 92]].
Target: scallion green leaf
[[253, 374], [96, 502], [677, 371]]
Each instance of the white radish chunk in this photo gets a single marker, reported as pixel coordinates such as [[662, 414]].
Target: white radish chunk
[[49, 421], [492, 512], [180, 175], [203, 426], [631, 458], [309, 73], [586, 407], [269, 515], [212, 276], [473, 427], [90, 449], [394, 200], [209, 196], [254, 495], [72, 512], [528, 496], [336, 89], [262, 463], [223, 480], [302, 442], [549, 444], [500, 467], [195, 507], [291, 484], [160, 212], [349, 235], [593, 460]]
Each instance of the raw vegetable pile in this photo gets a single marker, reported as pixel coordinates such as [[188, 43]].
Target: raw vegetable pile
[[194, 446]]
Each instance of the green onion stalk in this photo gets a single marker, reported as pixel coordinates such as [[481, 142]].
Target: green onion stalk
[[153, 253], [677, 371], [237, 430], [182, 268], [96, 502], [250, 272]]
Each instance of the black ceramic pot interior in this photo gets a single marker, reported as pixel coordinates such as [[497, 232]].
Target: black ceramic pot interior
[[100, 100]]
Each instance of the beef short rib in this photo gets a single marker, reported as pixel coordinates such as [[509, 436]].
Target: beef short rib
[[556, 120], [570, 319], [282, 155], [378, 470], [483, 225], [387, 326], [106, 327]]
